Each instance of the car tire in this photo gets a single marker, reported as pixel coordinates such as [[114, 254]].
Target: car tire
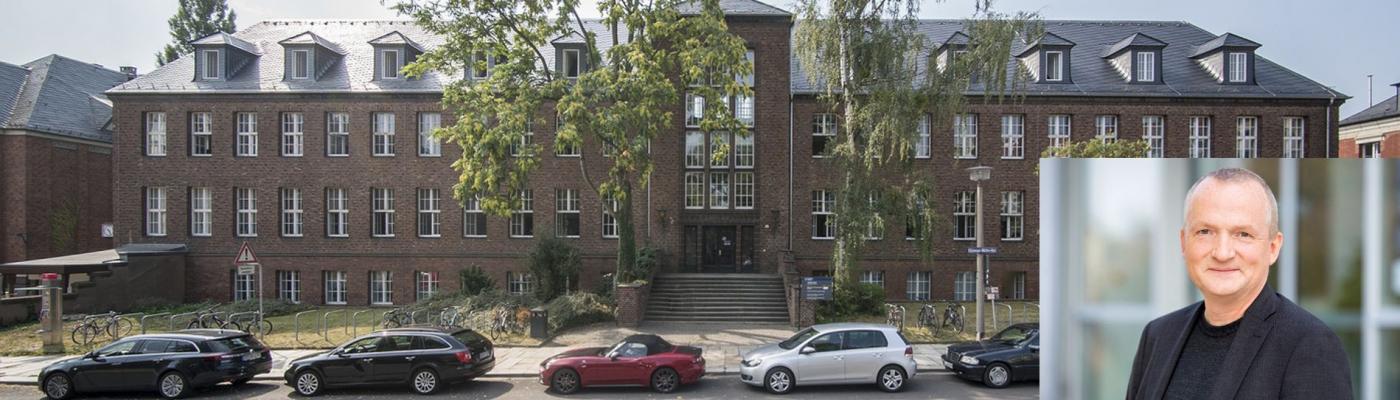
[[308, 383], [565, 381], [892, 378], [997, 376], [173, 385], [779, 381], [665, 380], [425, 381], [59, 386]]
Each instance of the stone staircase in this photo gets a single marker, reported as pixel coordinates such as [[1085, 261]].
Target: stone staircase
[[729, 298]]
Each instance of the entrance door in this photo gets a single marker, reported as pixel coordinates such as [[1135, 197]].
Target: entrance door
[[720, 243]]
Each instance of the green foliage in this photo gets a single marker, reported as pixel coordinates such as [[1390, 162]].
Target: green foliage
[[555, 265], [271, 307], [605, 286], [63, 227], [193, 20], [475, 280], [1099, 149], [646, 262], [577, 309], [852, 301]]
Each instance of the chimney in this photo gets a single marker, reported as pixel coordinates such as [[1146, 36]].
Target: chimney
[[130, 72]]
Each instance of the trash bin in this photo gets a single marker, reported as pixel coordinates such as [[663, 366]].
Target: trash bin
[[539, 323]]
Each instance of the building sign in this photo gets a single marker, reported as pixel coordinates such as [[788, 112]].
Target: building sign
[[107, 230], [981, 250], [816, 287], [247, 269], [992, 292]]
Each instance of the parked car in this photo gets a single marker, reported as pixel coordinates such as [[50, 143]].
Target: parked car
[[846, 353], [637, 360], [1012, 355], [424, 358], [173, 364]]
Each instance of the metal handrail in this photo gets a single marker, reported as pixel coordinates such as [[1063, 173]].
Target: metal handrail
[[325, 324], [296, 327], [144, 317], [354, 322]]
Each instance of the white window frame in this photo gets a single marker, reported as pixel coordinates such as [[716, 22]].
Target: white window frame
[[566, 206], [577, 70], [381, 288], [383, 212], [744, 109], [1013, 216], [471, 211], [872, 278], [1239, 67], [218, 70], [1294, 133], [429, 146], [610, 207], [1154, 132], [1054, 69], [429, 213], [744, 151], [301, 69], [1106, 128], [519, 284], [562, 149], [916, 287], [292, 210], [694, 149], [875, 229], [289, 286], [1146, 67], [1246, 137], [718, 139], [334, 287], [338, 130], [965, 286], [387, 56], [719, 190], [526, 138], [823, 209], [1369, 149], [743, 190], [694, 110], [156, 205], [425, 284], [695, 190], [1059, 129], [965, 136], [1013, 137], [293, 134], [518, 218], [201, 212], [247, 128], [337, 213], [243, 287], [155, 134], [965, 213], [1199, 140], [383, 134], [201, 134], [246, 202], [824, 126], [922, 146]]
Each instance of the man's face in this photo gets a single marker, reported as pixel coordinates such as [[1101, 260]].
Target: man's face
[[1226, 240]]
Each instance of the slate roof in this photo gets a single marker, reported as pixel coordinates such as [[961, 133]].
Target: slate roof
[[1226, 40], [224, 38], [1049, 39], [749, 8], [58, 95], [1382, 110], [1095, 76], [1136, 40], [311, 38]]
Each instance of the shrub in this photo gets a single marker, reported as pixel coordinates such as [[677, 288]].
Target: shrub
[[577, 309], [851, 301], [605, 286], [475, 280], [646, 262], [555, 265]]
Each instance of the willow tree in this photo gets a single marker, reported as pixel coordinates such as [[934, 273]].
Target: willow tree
[[635, 64], [872, 65]]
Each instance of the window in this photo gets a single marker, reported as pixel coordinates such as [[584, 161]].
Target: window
[[1146, 66], [526, 138], [917, 288], [1018, 286], [914, 225], [1246, 137], [473, 219], [1106, 128], [242, 287], [965, 286], [247, 202], [610, 206], [481, 66], [201, 212], [335, 287], [694, 149], [965, 216], [572, 63], [337, 213], [428, 210], [519, 284], [1293, 128], [155, 134], [1059, 131], [566, 213], [694, 109], [291, 212], [338, 134], [522, 220], [718, 141], [1154, 131], [427, 284], [1370, 150], [921, 146], [201, 134], [212, 66], [381, 287], [1013, 215], [562, 147], [383, 199], [289, 286], [1200, 137], [247, 134], [875, 229], [965, 136], [873, 278], [823, 215], [743, 190], [719, 190], [293, 125], [743, 109], [694, 190], [390, 66], [743, 151], [746, 77], [383, 134], [1054, 66], [1013, 134], [823, 131], [429, 146], [301, 64], [155, 211], [1239, 67]]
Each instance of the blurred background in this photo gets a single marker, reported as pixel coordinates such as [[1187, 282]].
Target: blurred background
[[1111, 261]]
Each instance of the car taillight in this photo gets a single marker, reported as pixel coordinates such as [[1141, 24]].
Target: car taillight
[[909, 352], [215, 358], [464, 357]]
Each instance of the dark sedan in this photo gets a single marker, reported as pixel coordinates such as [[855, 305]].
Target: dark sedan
[[1012, 355], [424, 358], [173, 364]]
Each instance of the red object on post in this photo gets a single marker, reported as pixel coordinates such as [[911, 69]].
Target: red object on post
[[50, 276]]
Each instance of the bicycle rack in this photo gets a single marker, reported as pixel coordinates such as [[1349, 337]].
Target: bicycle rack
[[354, 322], [1010, 315], [172, 318], [326, 326], [233, 318], [1026, 309], [296, 327], [144, 317]]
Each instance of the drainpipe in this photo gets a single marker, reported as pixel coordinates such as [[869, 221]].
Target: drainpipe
[[790, 163]]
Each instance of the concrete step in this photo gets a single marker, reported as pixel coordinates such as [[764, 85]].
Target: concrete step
[[717, 299], [783, 319]]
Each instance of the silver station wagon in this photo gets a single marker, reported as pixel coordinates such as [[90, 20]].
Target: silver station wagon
[[828, 354]]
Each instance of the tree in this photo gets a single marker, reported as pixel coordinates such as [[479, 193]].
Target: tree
[[193, 20], [618, 101], [873, 66], [1099, 149]]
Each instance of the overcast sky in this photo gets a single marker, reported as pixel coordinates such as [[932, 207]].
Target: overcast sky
[[1337, 43]]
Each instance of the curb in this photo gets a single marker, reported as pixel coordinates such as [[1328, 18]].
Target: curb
[[33, 381]]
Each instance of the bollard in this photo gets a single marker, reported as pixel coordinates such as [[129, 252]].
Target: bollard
[[51, 314]]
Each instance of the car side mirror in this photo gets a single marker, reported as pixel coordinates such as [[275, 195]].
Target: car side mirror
[[341, 353], [613, 356], [808, 350]]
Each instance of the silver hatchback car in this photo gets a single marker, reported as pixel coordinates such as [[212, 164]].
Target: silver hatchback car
[[827, 354]]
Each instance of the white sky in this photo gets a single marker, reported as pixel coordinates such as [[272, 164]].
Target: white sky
[[1334, 42]]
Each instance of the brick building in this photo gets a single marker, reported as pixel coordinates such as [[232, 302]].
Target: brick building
[[1373, 132], [300, 138]]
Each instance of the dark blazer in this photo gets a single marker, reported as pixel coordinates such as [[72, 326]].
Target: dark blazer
[[1280, 352]]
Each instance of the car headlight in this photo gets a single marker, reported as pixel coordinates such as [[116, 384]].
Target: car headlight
[[969, 360], [753, 362]]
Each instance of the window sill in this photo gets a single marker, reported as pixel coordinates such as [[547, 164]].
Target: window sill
[[155, 235], [474, 236], [335, 303], [337, 155], [382, 236], [244, 236], [430, 155], [1012, 239], [293, 155], [291, 236], [1013, 158], [201, 236], [202, 155], [337, 236], [429, 236], [383, 155], [964, 157], [569, 155], [823, 238], [381, 304], [971, 239], [522, 237]]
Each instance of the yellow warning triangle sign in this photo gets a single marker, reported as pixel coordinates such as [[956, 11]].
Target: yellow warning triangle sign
[[245, 255]]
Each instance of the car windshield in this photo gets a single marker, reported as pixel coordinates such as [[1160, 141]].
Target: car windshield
[[1015, 334], [797, 339]]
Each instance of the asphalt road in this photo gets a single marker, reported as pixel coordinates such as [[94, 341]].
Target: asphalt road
[[924, 386]]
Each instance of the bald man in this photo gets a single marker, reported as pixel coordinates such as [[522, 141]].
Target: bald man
[[1243, 341]]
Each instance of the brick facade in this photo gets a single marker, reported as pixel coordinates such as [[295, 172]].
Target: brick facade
[[44, 179]]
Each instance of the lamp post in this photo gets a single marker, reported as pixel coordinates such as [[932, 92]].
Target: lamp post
[[979, 174]]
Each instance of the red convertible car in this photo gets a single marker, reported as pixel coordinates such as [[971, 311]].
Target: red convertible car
[[638, 360]]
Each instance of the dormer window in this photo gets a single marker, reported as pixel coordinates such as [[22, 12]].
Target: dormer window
[[572, 63], [1048, 59], [391, 52], [1228, 58], [220, 57], [482, 65], [1239, 67], [1145, 68], [212, 65], [1054, 66], [301, 64], [390, 64], [308, 57]]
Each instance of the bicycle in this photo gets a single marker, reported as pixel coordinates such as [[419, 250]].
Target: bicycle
[[397, 317], [951, 318], [503, 323], [255, 324], [91, 326], [209, 319], [928, 318], [451, 316]]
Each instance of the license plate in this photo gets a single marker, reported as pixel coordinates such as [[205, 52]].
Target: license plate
[[486, 355], [252, 356]]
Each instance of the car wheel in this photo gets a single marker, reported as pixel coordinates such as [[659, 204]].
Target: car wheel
[[779, 381], [308, 383], [997, 376], [892, 379], [241, 382], [173, 385], [564, 381], [665, 380], [58, 386], [425, 381]]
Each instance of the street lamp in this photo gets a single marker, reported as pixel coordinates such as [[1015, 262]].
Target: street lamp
[[979, 174]]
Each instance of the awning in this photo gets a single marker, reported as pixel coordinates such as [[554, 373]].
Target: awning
[[86, 262]]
